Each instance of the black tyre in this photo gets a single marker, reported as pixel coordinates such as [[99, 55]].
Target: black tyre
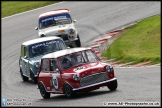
[[77, 42], [34, 79], [113, 85], [43, 92], [42, 35], [24, 78], [68, 91], [71, 46]]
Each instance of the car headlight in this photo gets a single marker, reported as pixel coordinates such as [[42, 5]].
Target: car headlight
[[76, 77], [71, 31], [37, 64], [109, 68]]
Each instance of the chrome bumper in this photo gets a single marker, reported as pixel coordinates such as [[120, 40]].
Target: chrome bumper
[[70, 40]]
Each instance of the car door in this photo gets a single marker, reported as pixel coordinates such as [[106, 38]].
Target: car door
[[24, 61], [25, 67], [51, 76], [56, 76]]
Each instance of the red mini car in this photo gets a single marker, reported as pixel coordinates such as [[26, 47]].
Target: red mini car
[[74, 70]]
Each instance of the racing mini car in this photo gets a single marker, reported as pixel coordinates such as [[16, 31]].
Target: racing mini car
[[59, 23], [74, 70], [32, 52]]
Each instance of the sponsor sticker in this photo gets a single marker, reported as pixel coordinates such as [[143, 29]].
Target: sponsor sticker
[[55, 82], [79, 68]]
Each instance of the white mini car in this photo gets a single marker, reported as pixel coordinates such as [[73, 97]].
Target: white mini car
[[59, 23]]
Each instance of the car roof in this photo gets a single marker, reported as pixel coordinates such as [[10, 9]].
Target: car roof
[[42, 39], [54, 12], [64, 52]]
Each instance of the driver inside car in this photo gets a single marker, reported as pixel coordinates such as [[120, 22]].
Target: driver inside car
[[66, 63], [73, 59]]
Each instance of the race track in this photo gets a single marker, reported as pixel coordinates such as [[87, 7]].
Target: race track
[[93, 19]]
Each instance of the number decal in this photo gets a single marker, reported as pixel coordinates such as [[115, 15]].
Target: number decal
[[78, 68], [55, 82]]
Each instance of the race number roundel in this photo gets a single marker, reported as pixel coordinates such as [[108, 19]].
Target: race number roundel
[[55, 82]]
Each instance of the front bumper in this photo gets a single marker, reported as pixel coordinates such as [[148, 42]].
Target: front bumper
[[70, 41], [96, 84]]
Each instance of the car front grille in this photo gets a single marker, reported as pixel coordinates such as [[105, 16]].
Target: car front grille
[[92, 79], [64, 37]]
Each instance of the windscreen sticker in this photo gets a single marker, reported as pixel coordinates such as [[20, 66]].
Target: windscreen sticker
[[60, 17], [44, 44], [79, 68], [56, 17]]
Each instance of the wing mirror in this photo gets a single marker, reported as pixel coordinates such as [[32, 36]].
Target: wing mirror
[[36, 28], [57, 70], [25, 57], [74, 21]]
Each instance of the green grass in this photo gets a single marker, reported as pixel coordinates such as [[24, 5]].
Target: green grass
[[140, 43], [9, 8]]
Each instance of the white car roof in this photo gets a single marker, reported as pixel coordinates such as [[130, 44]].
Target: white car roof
[[53, 12], [64, 52], [42, 39]]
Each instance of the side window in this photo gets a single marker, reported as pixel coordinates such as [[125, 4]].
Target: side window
[[53, 65], [45, 65]]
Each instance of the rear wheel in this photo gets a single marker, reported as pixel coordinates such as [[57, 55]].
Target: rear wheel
[[70, 46], [68, 91], [24, 78], [113, 85], [77, 42], [43, 92]]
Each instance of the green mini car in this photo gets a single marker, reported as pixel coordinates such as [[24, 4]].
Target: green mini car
[[32, 52]]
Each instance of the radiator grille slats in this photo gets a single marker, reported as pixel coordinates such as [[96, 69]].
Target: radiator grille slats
[[92, 79]]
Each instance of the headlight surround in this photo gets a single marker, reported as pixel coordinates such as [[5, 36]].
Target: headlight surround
[[71, 31], [109, 68], [37, 64], [76, 77]]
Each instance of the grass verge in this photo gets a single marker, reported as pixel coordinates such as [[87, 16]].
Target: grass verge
[[9, 8], [140, 43]]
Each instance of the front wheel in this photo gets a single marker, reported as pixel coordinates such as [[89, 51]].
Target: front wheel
[[77, 42], [24, 78], [34, 79], [68, 91], [43, 92], [113, 85], [42, 35]]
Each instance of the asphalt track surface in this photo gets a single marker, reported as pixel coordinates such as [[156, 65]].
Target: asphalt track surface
[[138, 84]]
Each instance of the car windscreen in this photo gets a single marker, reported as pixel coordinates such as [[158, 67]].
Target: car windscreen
[[77, 59], [46, 47], [54, 20]]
